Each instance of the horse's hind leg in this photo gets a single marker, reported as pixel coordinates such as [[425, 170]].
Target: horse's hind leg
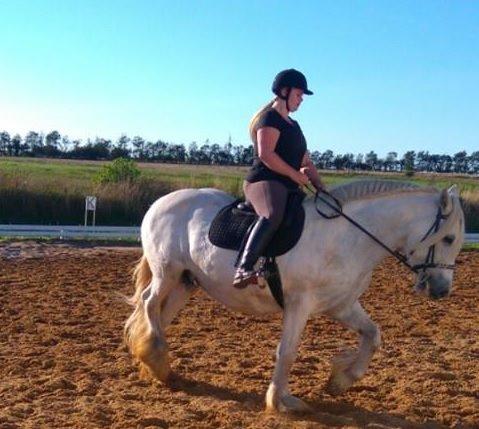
[[145, 327], [177, 299], [352, 365]]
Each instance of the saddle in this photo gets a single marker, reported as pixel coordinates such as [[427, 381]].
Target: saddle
[[231, 226]]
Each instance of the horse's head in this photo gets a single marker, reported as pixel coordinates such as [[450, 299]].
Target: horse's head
[[434, 256]]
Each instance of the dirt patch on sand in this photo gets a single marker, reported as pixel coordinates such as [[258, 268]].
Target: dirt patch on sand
[[33, 249], [63, 363]]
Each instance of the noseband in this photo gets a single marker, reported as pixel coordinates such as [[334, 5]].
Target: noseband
[[429, 261]]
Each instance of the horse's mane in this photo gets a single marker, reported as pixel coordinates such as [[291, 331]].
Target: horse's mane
[[361, 189]]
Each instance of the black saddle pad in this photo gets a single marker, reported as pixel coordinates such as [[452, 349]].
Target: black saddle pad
[[231, 224]]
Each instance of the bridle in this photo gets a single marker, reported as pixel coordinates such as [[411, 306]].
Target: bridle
[[417, 268], [429, 262]]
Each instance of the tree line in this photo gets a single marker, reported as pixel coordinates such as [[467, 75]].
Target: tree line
[[54, 145]]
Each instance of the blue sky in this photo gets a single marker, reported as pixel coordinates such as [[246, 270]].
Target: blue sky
[[387, 75]]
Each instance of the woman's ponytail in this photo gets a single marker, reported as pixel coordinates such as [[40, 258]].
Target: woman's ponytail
[[254, 121]]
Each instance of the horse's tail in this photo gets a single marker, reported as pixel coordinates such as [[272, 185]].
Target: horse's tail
[[135, 326], [141, 277]]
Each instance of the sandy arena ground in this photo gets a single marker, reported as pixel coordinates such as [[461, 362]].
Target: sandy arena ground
[[63, 364]]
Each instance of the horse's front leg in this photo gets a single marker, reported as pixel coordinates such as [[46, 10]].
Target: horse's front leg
[[351, 365], [278, 397]]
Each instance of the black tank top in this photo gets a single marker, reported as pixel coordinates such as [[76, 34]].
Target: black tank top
[[291, 147]]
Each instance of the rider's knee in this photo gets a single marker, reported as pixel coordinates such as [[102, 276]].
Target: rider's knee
[[275, 220]]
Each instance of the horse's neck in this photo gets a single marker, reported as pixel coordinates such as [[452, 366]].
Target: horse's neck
[[396, 220]]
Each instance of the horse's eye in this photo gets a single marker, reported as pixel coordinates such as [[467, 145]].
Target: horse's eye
[[449, 239]]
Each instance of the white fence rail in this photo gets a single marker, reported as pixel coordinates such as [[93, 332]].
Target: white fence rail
[[472, 238], [113, 232], [64, 232]]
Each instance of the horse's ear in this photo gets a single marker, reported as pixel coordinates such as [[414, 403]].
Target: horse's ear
[[446, 201], [453, 191]]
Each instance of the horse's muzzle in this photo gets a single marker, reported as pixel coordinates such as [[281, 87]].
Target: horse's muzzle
[[439, 293], [439, 287]]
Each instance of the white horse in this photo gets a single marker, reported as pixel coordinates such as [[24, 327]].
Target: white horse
[[326, 272]]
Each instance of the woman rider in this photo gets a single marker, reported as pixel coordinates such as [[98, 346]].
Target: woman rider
[[281, 164]]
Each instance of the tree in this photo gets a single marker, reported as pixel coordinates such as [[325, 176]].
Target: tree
[[474, 162], [327, 158], [192, 154], [445, 163], [121, 150], [14, 146], [407, 162], [315, 157], [422, 161], [391, 160], [53, 139], [4, 142], [359, 161], [215, 153], [138, 147], [226, 153], [101, 148], [371, 160], [343, 161], [338, 162], [238, 155], [348, 161], [34, 141], [178, 153], [160, 150], [76, 143], [243, 155], [460, 162], [205, 153], [65, 144]]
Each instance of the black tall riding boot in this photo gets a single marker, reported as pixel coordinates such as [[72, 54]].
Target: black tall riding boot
[[258, 239]]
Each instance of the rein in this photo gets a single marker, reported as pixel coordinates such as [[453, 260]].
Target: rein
[[428, 263]]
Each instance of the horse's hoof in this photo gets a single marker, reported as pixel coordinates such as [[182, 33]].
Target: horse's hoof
[[161, 371], [288, 404], [339, 382], [292, 404], [155, 366], [153, 357]]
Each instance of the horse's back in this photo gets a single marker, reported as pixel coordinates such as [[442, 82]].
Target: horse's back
[[189, 199], [169, 221], [182, 204]]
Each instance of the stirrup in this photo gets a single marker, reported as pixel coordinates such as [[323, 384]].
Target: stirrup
[[244, 278]]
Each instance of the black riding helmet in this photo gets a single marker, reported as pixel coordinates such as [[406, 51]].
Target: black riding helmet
[[289, 78]]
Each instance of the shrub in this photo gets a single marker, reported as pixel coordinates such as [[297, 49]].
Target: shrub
[[120, 170], [409, 171]]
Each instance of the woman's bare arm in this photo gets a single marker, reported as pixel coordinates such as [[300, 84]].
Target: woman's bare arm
[[267, 139], [311, 171]]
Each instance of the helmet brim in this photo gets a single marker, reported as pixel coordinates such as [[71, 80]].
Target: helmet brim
[[308, 92]]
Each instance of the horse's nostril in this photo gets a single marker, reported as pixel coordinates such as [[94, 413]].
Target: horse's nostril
[[437, 294]]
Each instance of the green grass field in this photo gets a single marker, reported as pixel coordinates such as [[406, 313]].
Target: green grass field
[[45, 191]]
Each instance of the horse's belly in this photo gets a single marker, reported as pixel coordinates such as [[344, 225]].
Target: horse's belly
[[251, 300], [214, 269]]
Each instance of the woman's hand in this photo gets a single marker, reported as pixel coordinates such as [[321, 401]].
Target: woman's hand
[[300, 178], [314, 178]]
